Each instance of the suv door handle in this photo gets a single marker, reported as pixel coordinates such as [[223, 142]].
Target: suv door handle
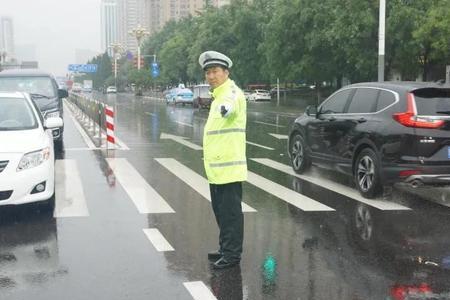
[[362, 120], [331, 119]]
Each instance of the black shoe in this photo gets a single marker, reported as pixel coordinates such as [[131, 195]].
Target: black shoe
[[222, 263], [214, 256]]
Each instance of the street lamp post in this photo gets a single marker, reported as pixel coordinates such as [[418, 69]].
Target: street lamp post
[[2, 58], [116, 48], [381, 40], [139, 33]]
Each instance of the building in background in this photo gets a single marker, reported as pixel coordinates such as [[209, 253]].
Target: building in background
[[130, 15], [109, 25], [150, 14], [7, 37]]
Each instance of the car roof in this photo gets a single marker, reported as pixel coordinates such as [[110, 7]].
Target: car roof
[[24, 72], [400, 85], [11, 95]]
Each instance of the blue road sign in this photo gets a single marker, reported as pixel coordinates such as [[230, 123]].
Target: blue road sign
[[87, 68], [155, 69]]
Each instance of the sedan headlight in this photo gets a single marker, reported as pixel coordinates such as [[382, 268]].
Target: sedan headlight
[[52, 114], [33, 159]]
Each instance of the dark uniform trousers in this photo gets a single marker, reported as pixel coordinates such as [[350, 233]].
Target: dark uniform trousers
[[226, 203]]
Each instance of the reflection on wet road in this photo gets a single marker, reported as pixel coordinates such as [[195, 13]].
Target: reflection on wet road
[[137, 224]]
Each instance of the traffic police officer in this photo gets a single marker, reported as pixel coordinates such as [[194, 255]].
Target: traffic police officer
[[224, 157]]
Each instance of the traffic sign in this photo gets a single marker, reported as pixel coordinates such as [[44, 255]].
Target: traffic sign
[[155, 69], [86, 68]]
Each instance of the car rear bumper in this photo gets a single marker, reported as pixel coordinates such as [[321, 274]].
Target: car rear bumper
[[417, 174]]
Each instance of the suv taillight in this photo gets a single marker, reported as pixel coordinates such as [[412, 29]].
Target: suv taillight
[[411, 119]]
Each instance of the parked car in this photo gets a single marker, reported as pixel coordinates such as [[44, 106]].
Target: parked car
[[181, 95], [26, 151], [202, 96], [77, 87], [247, 94], [259, 95], [379, 133], [42, 88], [111, 90]]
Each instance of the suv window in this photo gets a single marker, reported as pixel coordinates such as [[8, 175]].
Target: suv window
[[432, 101], [364, 101], [336, 103], [385, 99], [30, 84]]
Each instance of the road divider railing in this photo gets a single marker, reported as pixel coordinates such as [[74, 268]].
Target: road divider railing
[[96, 117]]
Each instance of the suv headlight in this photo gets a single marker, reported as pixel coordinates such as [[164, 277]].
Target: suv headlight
[[52, 114], [33, 159]]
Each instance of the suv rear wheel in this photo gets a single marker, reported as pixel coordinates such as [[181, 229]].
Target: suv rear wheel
[[367, 173], [299, 158]]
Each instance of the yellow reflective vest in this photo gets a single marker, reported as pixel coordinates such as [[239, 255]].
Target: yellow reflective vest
[[224, 137]]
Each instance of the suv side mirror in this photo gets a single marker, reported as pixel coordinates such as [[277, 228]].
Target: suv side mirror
[[62, 93], [311, 110], [52, 123]]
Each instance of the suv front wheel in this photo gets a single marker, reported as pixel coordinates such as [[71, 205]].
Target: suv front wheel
[[367, 174], [299, 158]]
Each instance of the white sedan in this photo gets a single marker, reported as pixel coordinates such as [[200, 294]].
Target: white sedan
[[259, 95], [27, 165], [111, 89]]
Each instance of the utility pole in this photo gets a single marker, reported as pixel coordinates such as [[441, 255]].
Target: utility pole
[[381, 40], [116, 48], [139, 33]]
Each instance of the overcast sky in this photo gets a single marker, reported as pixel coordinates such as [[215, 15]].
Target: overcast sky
[[56, 27]]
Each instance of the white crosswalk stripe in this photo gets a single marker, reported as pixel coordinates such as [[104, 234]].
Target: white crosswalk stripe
[[199, 291], [158, 240], [146, 199], [260, 146], [194, 180], [69, 198], [331, 185], [298, 200], [279, 136], [270, 124]]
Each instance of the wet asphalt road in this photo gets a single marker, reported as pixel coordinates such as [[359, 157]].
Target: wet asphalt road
[[106, 239]]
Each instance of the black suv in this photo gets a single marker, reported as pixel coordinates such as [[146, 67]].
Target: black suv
[[379, 133], [42, 88]]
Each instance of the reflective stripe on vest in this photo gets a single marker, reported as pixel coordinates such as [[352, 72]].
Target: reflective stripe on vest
[[222, 131], [227, 164]]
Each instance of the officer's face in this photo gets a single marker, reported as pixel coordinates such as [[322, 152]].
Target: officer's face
[[216, 76]]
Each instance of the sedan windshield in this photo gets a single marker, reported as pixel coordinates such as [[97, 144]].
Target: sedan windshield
[[16, 114], [32, 84]]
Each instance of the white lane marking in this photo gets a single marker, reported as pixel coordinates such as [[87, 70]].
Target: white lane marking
[[194, 180], [333, 186], [279, 136], [146, 199], [150, 114], [180, 140], [185, 124], [83, 134], [70, 199], [298, 200], [260, 146], [199, 291], [270, 124], [157, 239]]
